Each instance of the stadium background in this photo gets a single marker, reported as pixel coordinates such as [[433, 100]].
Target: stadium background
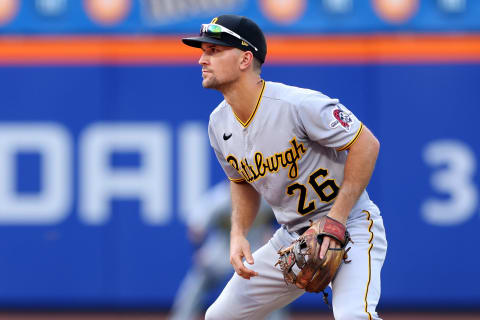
[[103, 145]]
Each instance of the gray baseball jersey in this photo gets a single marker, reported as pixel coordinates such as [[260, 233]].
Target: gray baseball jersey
[[292, 150]]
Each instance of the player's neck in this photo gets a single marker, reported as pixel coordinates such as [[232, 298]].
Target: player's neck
[[243, 96]]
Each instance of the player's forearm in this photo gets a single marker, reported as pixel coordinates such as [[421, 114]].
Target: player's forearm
[[358, 170], [245, 204]]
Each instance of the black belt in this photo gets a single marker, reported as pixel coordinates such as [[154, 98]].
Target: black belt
[[302, 230]]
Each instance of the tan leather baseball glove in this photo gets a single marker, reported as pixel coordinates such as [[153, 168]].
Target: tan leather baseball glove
[[300, 262]]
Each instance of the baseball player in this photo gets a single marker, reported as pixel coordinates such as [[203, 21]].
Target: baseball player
[[308, 156]]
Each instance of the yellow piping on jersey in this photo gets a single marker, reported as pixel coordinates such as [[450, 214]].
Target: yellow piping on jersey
[[245, 124], [348, 145], [237, 180], [369, 262]]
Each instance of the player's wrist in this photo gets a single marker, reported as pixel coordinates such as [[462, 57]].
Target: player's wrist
[[338, 218], [237, 232]]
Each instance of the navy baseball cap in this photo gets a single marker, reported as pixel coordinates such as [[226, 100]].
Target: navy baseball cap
[[232, 31]]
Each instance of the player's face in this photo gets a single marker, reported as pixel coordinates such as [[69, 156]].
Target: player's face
[[219, 65]]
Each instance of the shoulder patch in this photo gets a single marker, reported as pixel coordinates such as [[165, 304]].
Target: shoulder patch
[[341, 117]]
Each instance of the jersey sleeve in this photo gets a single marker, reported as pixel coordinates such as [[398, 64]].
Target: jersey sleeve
[[231, 173], [328, 122]]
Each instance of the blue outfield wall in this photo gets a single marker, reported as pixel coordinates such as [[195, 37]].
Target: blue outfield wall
[[68, 239]]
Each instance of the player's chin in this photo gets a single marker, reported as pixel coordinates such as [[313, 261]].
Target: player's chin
[[209, 84]]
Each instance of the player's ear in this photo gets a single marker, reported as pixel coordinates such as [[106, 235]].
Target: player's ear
[[246, 60]]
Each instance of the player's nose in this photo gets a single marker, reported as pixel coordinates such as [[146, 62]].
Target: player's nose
[[203, 59]]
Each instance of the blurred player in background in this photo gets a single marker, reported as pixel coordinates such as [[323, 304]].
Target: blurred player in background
[[209, 228]]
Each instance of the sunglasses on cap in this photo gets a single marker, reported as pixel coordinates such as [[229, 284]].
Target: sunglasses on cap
[[215, 31]]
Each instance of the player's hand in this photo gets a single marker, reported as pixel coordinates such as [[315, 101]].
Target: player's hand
[[239, 249], [331, 242], [328, 243]]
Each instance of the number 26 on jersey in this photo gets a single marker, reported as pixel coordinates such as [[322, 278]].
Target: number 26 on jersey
[[326, 189]]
